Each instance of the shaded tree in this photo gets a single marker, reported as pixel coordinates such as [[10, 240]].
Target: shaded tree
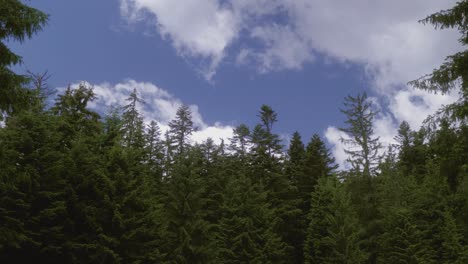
[[18, 22]]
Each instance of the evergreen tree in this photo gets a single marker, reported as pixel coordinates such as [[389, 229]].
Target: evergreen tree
[[451, 155], [363, 150], [132, 123], [32, 203], [190, 238], [246, 234], [240, 141], [364, 147], [296, 158], [333, 232], [401, 243], [154, 150], [405, 141], [180, 129], [318, 163], [281, 193], [77, 120], [452, 73], [19, 22]]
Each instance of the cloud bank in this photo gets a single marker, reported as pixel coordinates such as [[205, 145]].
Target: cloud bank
[[382, 37], [159, 105]]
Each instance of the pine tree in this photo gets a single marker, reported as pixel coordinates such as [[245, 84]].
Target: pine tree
[[32, 203], [296, 157], [452, 73], [19, 22], [154, 150], [266, 170], [401, 242], [405, 141], [333, 232], [189, 238], [246, 234], [180, 129], [363, 147], [77, 120], [433, 212], [445, 145], [318, 163], [240, 141], [413, 152], [132, 123]]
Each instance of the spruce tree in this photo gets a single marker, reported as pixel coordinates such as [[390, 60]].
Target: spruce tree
[[180, 129], [452, 73], [19, 22], [32, 190], [295, 159], [363, 146], [154, 150], [240, 141], [333, 232], [132, 123], [246, 233], [266, 170], [318, 163]]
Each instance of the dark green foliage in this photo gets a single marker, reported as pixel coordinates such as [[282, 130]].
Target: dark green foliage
[[18, 22], [32, 206], [132, 123], [78, 188], [296, 159], [281, 193], [244, 235], [333, 232], [451, 151], [190, 238], [240, 141], [452, 73], [318, 163], [180, 129]]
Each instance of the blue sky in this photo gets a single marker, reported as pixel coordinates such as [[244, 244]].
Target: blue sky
[[227, 58]]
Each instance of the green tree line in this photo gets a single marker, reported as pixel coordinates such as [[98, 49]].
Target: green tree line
[[80, 187]]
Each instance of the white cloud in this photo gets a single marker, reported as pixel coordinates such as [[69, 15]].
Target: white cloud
[[383, 37], [284, 49], [202, 29], [196, 28], [159, 105], [413, 106], [334, 135], [217, 132]]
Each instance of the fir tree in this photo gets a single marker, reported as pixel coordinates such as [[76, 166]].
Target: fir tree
[[132, 123], [452, 73], [363, 147], [180, 129], [19, 22], [246, 234], [333, 232]]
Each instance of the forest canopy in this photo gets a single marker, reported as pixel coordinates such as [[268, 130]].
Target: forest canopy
[[77, 186]]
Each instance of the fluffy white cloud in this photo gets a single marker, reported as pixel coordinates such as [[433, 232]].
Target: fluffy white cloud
[[383, 37], [334, 135], [386, 39], [201, 28], [159, 105], [217, 132], [196, 28]]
